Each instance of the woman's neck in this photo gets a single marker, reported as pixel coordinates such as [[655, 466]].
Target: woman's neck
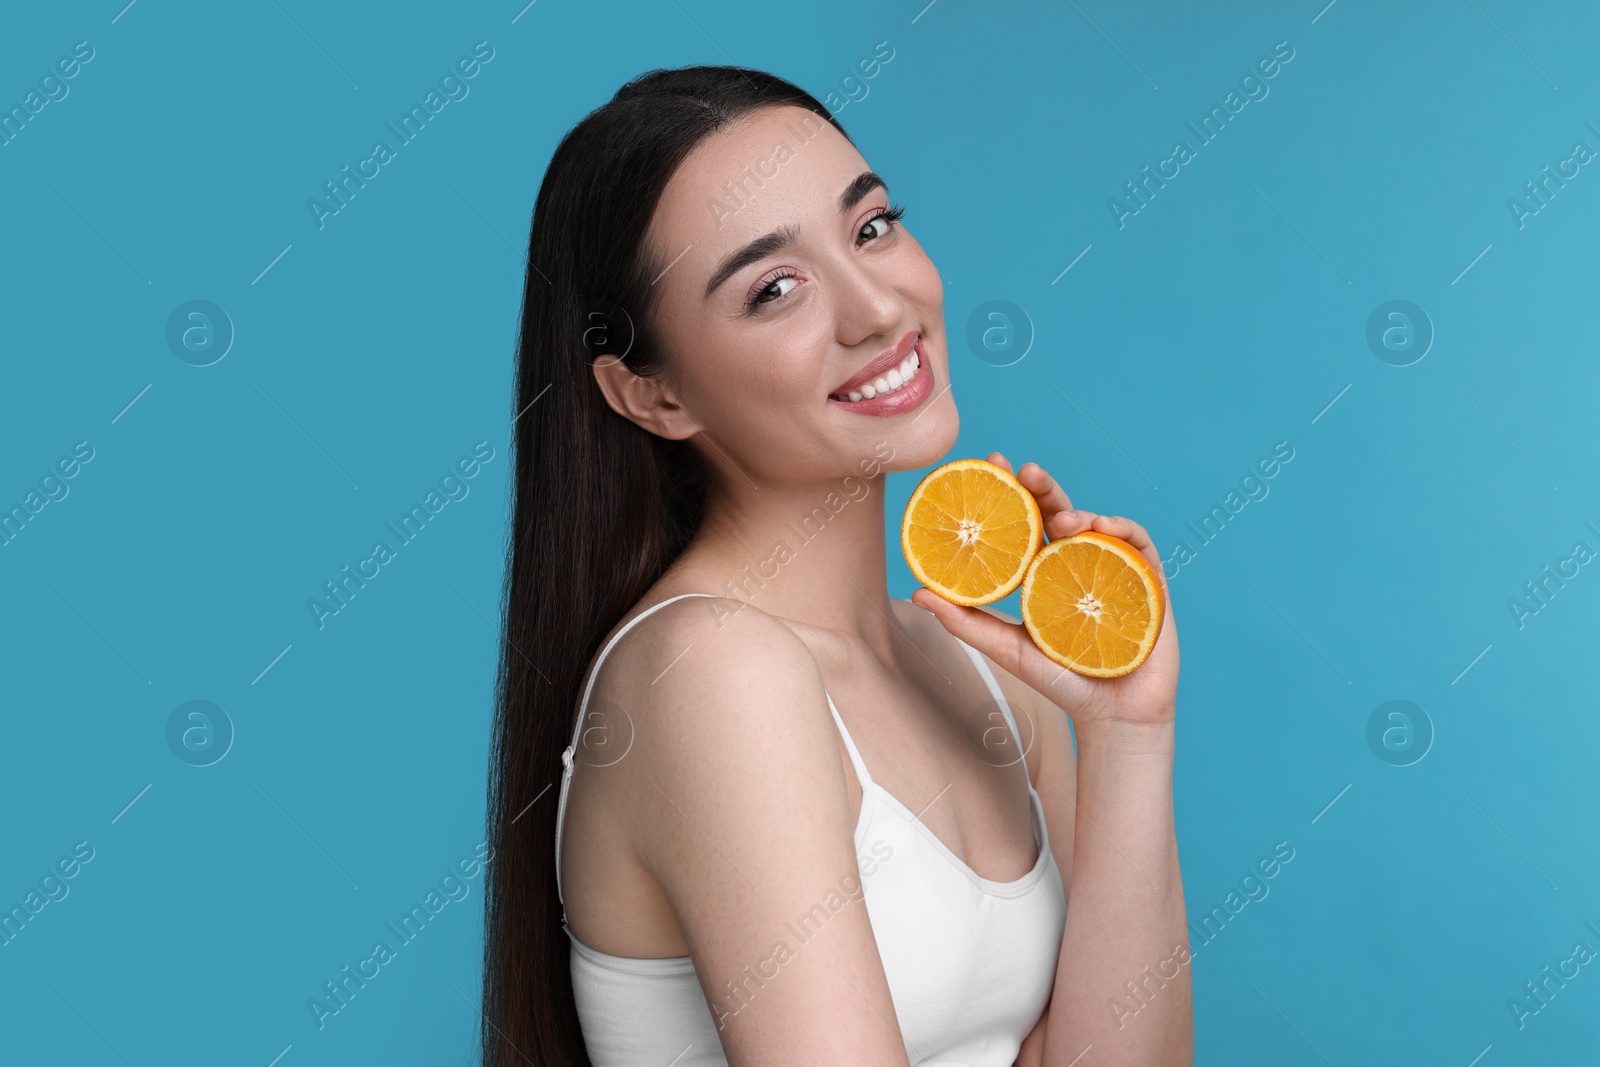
[[813, 554]]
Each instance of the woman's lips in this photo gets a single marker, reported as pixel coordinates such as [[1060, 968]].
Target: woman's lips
[[903, 399]]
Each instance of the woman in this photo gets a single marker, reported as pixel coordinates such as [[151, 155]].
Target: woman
[[775, 788]]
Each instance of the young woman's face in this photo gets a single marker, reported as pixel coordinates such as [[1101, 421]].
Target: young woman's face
[[788, 289]]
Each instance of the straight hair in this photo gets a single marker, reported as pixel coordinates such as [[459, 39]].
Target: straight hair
[[600, 506]]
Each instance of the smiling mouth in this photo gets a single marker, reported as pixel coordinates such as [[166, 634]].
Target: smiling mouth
[[888, 379], [901, 388], [892, 381]]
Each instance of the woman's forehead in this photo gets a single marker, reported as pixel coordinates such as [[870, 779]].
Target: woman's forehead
[[780, 166]]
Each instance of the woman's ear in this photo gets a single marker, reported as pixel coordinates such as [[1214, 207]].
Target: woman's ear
[[644, 401]]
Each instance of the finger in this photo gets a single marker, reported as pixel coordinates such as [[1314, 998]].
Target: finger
[[1127, 529], [1068, 523], [1052, 498], [1000, 461]]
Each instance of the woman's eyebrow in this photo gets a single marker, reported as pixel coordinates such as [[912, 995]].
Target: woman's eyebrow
[[783, 236], [758, 249], [857, 190]]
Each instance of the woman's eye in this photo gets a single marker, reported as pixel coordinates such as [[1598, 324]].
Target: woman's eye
[[880, 223], [775, 290]]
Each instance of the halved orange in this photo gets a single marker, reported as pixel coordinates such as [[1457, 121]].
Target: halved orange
[[1094, 604], [969, 532]]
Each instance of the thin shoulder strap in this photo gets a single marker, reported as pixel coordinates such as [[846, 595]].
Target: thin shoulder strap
[[994, 689], [850, 747], [577, 731]]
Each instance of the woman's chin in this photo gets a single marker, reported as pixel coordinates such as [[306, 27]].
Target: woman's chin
[[927, 440]]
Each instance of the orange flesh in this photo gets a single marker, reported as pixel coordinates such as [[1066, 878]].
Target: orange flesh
[[970, 531], [1092, 606]]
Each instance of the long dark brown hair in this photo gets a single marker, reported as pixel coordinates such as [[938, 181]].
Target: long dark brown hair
[[600, 509]]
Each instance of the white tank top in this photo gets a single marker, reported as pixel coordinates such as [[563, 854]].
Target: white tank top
[[970, 961]]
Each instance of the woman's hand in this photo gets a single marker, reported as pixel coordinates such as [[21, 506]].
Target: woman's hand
[[1145, 697]]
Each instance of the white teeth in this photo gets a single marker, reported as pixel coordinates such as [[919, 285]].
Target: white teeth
[[898, 378]]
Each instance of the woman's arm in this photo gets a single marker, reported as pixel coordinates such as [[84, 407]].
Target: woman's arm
[[1080, 964], [1122, 981], [736, 801]]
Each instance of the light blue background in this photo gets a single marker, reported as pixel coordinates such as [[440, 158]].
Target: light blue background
[[1223, 318]]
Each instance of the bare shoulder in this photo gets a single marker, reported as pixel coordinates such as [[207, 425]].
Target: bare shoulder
[[737, 803], [703, 650], [655, 644], [709, 680], [702, 672]]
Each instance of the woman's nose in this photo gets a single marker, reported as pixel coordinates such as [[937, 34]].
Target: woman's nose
[[868, 303]]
